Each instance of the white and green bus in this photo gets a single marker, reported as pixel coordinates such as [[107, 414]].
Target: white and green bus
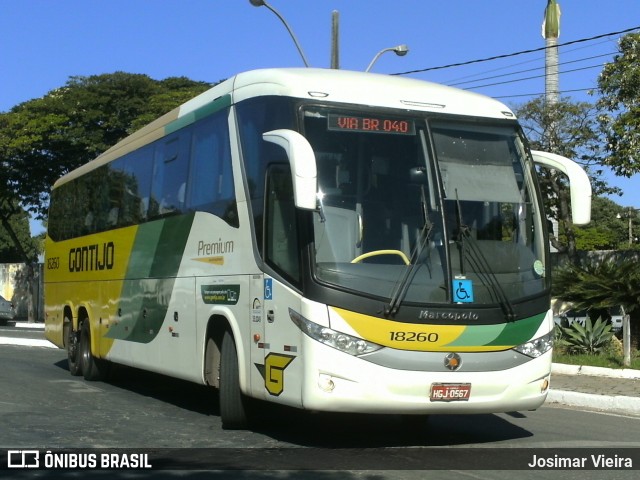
[[323, 239]]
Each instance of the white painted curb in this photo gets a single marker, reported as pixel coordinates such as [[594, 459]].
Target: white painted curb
[[26, 342], [34, 325], [618, 404], [564, 369]]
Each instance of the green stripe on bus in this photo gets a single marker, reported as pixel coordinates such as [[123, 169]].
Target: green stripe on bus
[[170, 246], [520, 331], [202, 112], [155, 260], [509, 334]]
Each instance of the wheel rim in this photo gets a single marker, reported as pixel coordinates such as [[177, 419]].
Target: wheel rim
[[85, 349], [72, 345]]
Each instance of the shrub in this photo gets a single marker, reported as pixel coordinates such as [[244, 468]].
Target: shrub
[[592, 338]]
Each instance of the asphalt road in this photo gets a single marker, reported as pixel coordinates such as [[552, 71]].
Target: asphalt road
[[43, 407]]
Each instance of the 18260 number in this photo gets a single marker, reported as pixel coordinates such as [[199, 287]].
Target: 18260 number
[[53, 263], [424, 337]]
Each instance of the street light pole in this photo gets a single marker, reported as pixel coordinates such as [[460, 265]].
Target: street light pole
[[631, 213], [400, 50], [626, 337], [262, 3]]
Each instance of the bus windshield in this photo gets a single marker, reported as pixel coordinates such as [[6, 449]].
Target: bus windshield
[[419, 212]]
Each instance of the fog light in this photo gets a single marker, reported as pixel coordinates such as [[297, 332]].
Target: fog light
[[326, 383], [545, 385]]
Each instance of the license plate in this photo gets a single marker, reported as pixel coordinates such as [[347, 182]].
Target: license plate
[[450, 392]]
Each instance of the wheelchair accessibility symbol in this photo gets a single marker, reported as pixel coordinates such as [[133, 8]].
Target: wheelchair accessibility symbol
[[462, 290], [268, 289]]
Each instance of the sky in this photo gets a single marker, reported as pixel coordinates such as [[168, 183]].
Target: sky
[[45, 42]]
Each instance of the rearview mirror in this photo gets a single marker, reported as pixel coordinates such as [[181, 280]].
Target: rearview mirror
[[578, 183], [418, 176], [303, 165]]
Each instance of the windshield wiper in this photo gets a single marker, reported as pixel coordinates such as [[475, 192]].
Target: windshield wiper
[[405, 281], [480, 265]]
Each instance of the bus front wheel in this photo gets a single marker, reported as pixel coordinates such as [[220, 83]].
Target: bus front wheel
[[233, 411]]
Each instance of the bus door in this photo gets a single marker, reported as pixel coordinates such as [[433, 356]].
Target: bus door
[[275, 354], [257, 333], [279, 338]]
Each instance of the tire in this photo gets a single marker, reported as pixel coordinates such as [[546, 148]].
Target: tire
[[92, 368], [72, 341], [233, 410]]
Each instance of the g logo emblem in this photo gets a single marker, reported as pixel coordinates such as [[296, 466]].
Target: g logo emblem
[[275, 365], [453, 361]]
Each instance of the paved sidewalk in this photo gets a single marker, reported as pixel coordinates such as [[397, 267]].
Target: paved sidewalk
[[605, 389]]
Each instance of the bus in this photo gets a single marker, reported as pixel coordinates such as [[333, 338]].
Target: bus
[[329, 240]]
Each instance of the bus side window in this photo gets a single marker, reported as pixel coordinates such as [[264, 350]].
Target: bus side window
[[115, 181], [137, 186], [281, 239], [97, 200], [211, 187], [256, 116], [170, 174]]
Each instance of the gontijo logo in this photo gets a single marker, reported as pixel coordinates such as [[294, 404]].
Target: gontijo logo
[[92, 257]]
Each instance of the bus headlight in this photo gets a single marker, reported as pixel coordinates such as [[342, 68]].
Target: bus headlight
[[338, 340], [536, 347]]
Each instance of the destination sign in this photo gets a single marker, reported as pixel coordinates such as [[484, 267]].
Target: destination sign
[[369, 124]]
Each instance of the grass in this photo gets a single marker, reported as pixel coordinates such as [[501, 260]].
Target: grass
[[610, 356], [606, 360]]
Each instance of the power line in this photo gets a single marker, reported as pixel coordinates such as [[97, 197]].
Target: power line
[[514, 54], [542, 93], [527, 70], [531, 78], [506, 67]]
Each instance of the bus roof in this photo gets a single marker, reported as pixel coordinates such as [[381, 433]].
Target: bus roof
[[335, 86], [343, 86]]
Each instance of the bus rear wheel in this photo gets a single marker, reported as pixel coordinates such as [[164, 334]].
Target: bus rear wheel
[[92, 368], [233, 404], [72, 341]]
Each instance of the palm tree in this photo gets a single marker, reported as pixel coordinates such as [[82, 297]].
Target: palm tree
[[603, 282], [551, 32]]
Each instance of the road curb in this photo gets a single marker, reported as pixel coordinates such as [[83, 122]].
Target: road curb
[[32, 325], [564, 369], [26, 342], [616, 404]]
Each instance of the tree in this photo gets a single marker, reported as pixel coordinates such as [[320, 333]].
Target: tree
[[44, 138], [569, 129], [619, 89], [601, 283], [16, 250], [608, 227], [551, 32]]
